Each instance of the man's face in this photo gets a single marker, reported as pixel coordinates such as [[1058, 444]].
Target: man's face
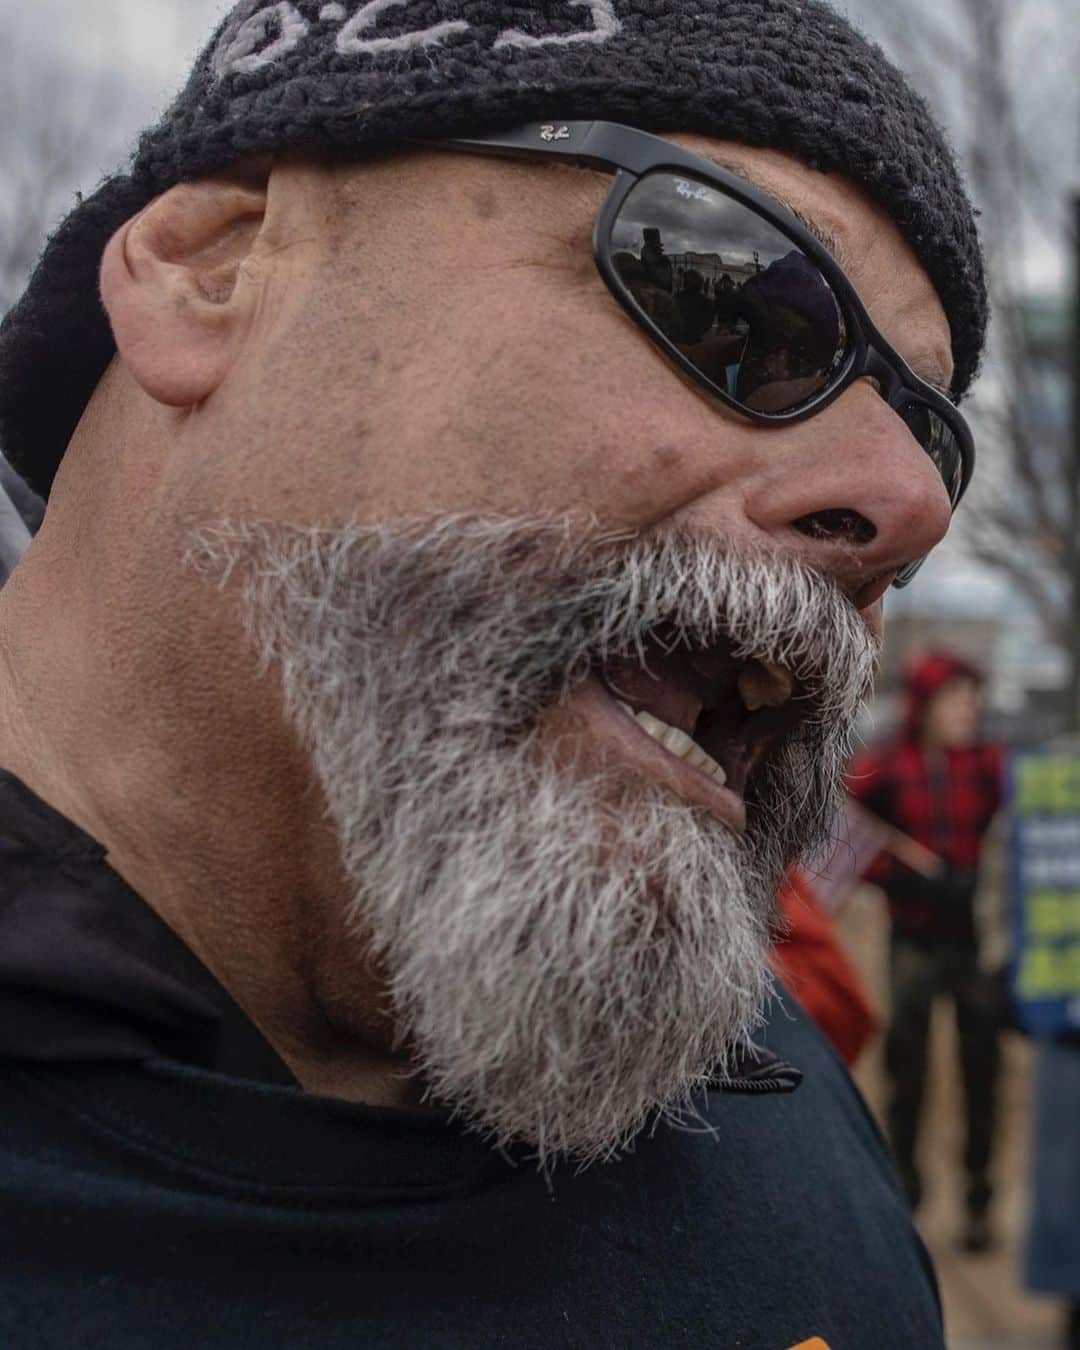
[[434, 337], [575, 653]]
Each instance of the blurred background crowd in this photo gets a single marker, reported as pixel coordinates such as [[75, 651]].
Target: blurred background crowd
[[940, 944]]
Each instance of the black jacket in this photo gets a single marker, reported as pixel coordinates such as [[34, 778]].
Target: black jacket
[[167, 1186]]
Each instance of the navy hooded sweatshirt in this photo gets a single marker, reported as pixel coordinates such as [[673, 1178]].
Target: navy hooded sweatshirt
[[167, 1185]]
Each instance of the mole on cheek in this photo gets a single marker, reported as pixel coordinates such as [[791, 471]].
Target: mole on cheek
[[668, 459], [485, 203]]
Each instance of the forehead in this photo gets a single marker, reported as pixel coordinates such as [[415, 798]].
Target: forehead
[[959, 684]]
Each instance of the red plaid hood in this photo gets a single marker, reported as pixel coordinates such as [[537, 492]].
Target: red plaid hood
[[924, 678]]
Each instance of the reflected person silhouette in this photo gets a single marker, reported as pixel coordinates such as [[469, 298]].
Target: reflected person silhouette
[[696, 310], [650, 278], [795, 334]]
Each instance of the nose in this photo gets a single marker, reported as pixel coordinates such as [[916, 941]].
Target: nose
[[851, 492]]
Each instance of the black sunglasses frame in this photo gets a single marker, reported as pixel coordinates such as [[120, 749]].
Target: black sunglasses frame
[[630, 154]]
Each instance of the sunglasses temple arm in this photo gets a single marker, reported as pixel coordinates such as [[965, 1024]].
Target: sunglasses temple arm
[[576, 142]]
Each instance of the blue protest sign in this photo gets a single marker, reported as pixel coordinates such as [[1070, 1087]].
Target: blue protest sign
[[1044, 864]]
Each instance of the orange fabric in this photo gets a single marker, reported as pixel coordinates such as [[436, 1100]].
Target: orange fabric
[[813, 966]]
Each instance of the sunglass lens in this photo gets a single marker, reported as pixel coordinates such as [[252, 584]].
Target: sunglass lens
[[735, 296], [939, 441]]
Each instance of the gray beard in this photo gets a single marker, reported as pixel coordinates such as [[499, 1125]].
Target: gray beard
[[570, 951]]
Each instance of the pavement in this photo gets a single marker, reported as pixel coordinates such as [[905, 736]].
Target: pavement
[[986, 1306]]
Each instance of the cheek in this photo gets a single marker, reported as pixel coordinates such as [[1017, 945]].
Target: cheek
[[553, 403], [533, 395]]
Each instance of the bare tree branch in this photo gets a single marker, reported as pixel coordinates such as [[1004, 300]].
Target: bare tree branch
[[1002, 70]]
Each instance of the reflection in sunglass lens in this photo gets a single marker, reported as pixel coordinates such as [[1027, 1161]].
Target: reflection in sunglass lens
[[939, 441], [734, 294]]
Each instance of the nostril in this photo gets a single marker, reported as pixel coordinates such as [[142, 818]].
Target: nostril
[[840, 524]]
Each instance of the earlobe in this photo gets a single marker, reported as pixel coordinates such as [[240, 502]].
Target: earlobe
[[176, 290]]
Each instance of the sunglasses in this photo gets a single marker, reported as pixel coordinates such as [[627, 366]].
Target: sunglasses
[[735, 290]]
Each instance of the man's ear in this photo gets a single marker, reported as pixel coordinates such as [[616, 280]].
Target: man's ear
[[175, 287]]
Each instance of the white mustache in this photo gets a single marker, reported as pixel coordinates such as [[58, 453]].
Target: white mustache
[[592, 597]]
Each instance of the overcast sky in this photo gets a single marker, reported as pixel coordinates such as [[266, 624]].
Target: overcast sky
[[155, 40]]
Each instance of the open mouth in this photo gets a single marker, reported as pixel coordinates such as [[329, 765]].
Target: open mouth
[[717, 711]]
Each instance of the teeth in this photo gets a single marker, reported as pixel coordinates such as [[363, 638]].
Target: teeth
[[765, 685], [676, 742], [671, 738]]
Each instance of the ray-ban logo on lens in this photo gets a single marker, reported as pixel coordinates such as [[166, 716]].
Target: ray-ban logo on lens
[[692, 191], [553, 133]]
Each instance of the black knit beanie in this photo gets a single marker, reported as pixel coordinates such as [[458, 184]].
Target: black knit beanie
[[788, 74]]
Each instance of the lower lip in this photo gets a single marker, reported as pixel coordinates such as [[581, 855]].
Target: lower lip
[[620, 732]]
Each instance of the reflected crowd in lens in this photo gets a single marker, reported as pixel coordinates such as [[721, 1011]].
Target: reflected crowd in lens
[[759, 319]]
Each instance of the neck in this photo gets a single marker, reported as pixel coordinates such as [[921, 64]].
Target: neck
[[208, 811]]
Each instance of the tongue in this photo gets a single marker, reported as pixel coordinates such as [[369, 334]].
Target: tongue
[[665, 685]]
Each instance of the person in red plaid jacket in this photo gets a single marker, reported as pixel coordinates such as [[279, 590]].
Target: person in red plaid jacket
[[937, 783]]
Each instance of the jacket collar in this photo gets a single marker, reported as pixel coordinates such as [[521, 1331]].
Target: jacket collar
[[88, 971]]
